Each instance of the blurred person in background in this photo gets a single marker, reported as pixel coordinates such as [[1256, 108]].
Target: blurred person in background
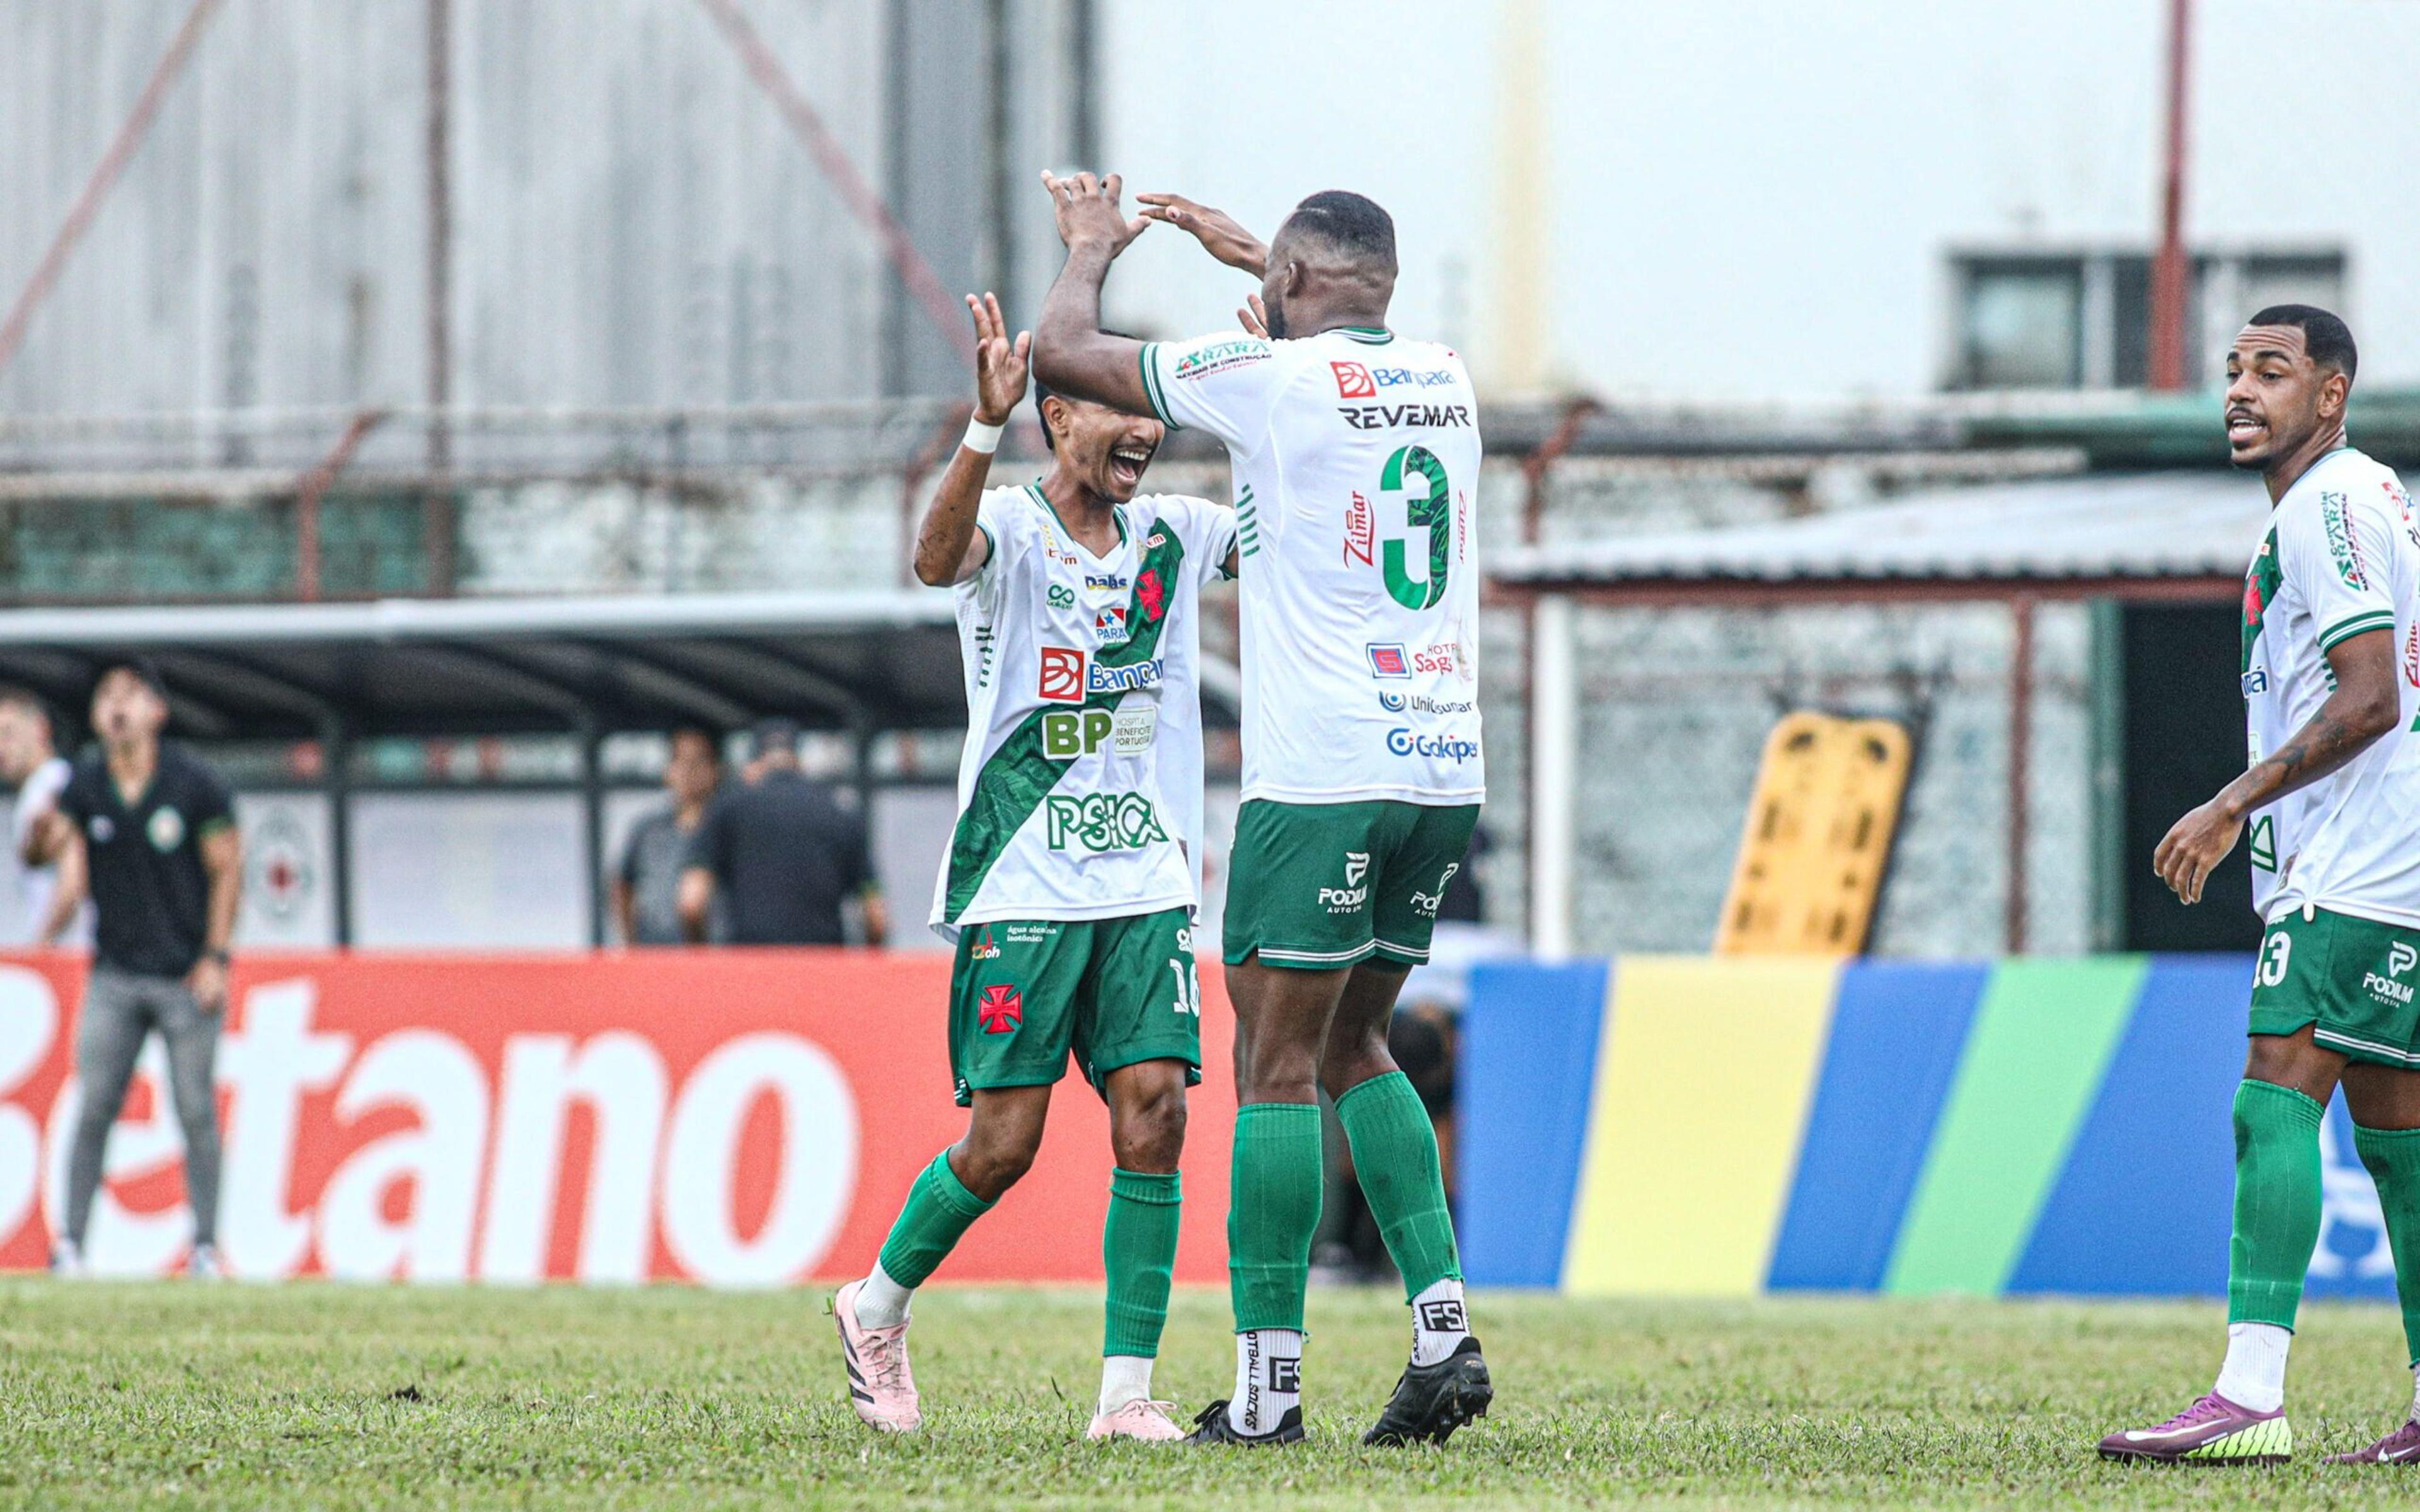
[[646, 886], [781, 856], [152, 830], [31, 764]]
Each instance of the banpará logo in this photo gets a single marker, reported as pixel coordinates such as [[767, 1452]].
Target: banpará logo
[[1353, 381], [1099, 821], [1063, 675], [1130, 678], [1062, 597], [1395, 377], [1403, 742]]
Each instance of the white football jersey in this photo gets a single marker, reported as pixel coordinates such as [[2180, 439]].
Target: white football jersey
[[1080, 795], [2342, 558], [1355, 457]]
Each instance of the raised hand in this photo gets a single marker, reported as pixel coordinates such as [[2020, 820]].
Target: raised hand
[[1000, 363], [1086, 210], [1254, 316], [1220, 235]]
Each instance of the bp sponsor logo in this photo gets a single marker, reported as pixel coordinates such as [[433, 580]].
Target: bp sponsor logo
[[165, 830], [1063, 675], [1219, 356], [1405, 416], [1353, 381], [1404, 742], [2336, 514], [1389, 660], [1001, 1009], [1099, 821], [1062, 597], [1349, 898], [1070, 734], [1422, 704]]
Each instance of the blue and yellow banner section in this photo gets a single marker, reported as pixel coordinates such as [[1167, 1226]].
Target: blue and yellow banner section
[[1722, 1126]]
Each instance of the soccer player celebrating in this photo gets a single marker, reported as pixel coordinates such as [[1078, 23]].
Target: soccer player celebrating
[[1073, 872], [1356, 455], [2331, 664]]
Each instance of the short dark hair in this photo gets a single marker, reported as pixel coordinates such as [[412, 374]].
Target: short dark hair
[[2327, 338], [710, 739], [772, 734], [1352, 223], [145, 669], [1042, 391]]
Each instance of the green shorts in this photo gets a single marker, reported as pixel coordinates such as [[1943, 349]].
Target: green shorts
[[1318, 885], [2355, 979], [1114, 992]]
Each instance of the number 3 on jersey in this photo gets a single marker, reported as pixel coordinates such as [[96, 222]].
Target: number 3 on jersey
[[1416, 466]]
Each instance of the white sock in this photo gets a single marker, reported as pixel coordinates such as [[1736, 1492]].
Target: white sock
[[2253, 1376], [1268, 1378], [882, 1303], [1125, 1378], [1440, 1322]]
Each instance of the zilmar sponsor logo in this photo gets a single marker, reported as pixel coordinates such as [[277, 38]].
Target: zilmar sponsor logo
[[1403, 742], [1099, 821], [1403, 416], [1218, 357], [1360, 531]]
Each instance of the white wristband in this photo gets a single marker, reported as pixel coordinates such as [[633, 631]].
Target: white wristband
[[983, 438]]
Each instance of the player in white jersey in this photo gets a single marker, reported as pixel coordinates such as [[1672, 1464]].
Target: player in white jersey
[[1356, 455], [1071, 879], [2332, 795]]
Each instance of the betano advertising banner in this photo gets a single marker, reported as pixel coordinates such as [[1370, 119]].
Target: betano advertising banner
[[735, 1118], [1692, 1126]]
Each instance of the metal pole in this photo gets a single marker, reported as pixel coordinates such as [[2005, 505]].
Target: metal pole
[[2020, 740], [1554, 773], [1001, 155], [104, 176], [313, 488], [1083, 128], [591, 835], [436, 504], [2169, 270], [336, 746]]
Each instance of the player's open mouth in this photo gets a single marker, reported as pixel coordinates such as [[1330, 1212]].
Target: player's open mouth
[[1128, 462], [2243, 427]]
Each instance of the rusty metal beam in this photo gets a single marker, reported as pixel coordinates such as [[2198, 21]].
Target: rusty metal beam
[[104, 176], [1716, 593], [312, 487]]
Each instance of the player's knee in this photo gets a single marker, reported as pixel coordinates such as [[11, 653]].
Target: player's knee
[[989, 1168], [1148, 1133], [1350, 1062]]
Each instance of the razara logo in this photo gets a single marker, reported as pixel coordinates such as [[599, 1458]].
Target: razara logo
[[1353, 381], [1002, 1010], [1401, 742], [1063, 675]]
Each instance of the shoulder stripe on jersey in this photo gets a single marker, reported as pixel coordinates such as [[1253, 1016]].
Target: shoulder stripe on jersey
[[2345, 629], [1149, 359], [1018, 776]]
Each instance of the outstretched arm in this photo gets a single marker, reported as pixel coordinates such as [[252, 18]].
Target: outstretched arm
[[1220, 234], [949, 548], [1071, 352], [2364, 707]]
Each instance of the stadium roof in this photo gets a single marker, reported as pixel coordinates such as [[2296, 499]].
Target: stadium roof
[[2177, 534], [864, 661]]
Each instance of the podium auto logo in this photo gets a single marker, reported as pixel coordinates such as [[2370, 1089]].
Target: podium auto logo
[[1355, 892]]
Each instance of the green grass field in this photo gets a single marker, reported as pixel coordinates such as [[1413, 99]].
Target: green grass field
[[341, 1397]]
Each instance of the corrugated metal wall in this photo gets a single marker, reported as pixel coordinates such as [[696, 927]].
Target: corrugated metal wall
[[634, 224]]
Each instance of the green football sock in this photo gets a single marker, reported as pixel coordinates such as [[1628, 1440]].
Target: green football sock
[[1139, 1258], [1395, 1153], [937, 1212], [2393, 1156], [1272, 1212], [2277, 1202]]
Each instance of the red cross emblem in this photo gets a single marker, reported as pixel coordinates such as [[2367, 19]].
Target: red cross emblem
[[1002, 1010]]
